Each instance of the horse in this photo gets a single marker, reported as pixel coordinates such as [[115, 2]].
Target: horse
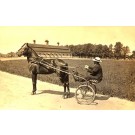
[[39, 65]]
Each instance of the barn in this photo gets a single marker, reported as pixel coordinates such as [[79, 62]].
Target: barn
[[50, 51]]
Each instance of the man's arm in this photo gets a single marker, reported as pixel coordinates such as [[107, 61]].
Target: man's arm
[[89, 69], [94, 70]]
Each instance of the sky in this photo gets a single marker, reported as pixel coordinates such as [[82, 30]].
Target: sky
[[13, 37]]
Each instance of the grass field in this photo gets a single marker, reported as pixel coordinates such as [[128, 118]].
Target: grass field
[[118, 80]]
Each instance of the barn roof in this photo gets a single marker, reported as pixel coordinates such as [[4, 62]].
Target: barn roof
[[40, 48]]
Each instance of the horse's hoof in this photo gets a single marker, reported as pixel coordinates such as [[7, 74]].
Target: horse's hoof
[[33, 93], [64, 96], [68, 94]]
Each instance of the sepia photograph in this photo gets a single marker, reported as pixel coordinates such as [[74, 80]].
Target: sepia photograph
[[67, 67]]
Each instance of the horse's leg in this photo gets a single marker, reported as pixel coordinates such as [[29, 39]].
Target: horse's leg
[[66, 90], [34, 82], [64, 95], [67, 86]]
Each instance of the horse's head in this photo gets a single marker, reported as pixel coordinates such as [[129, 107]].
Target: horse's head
[[24, 50]]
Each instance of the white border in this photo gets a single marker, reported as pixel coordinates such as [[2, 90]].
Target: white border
[[67, 13]]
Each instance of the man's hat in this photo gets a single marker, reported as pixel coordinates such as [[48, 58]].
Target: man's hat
[[97, 59]]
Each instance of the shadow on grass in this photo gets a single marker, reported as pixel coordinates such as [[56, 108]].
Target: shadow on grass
[[54, 92]]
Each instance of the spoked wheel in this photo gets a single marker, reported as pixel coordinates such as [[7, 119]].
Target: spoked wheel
[[85, 94]]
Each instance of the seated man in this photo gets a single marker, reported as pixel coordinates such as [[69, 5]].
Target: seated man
[[95, 73]]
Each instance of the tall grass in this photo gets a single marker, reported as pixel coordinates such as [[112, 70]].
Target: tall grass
[[118, 80]]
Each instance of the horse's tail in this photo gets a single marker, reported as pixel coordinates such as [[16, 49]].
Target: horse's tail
[[64, 76]]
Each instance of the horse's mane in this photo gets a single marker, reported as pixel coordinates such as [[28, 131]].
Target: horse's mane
[[21, 47], [33, 50]]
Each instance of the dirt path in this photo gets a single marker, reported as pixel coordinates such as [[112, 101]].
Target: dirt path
[[15, 93]]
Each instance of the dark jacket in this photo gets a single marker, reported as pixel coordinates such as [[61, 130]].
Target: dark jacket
[[96, 71]]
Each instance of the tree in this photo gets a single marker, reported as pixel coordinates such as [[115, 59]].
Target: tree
[[118, 49], [98, 50], [94, 50], [111, 51], [133, 54], [125, 51], [58, 43], [11, 54], [105, 51]]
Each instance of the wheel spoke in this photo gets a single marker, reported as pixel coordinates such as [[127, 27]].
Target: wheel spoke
[[85, 94]]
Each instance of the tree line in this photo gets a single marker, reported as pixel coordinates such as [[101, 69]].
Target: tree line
[[10, 54], [117, 51]]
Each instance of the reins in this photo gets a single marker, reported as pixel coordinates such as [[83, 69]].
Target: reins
[[47, 65], [43, 64]]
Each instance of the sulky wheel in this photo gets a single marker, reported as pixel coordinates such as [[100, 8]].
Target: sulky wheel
[[85, 94]]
